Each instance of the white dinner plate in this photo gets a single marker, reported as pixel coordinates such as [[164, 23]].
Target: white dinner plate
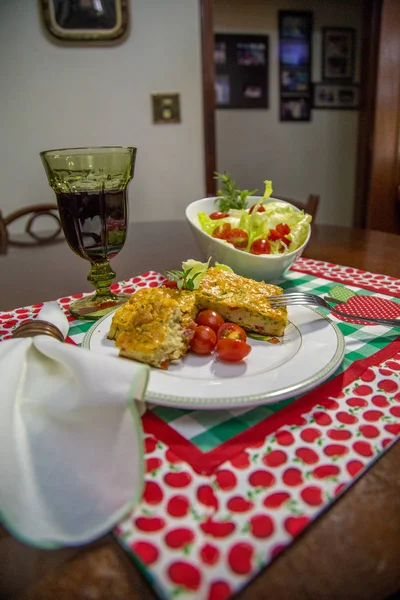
[[310, 352]]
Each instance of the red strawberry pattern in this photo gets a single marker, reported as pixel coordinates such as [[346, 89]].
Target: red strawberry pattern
[[240, 558], [206, 495], [237, 504], [209, 554], [261, 526], [146, 551], [153, 494], [180, 537], [368, 306], [261, 478], [178, 506], [205, 536], [349, 276], [185, 575], [222, 528]]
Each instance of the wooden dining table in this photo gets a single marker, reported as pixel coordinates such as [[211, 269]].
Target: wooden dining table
[[352, 551]]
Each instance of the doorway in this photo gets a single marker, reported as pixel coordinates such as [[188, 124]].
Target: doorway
[[345, 197]]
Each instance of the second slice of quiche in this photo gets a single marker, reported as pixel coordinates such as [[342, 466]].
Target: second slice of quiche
[[154, 325], [242, 301]]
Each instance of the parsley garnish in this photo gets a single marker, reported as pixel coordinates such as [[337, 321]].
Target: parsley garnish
[[230, 197]]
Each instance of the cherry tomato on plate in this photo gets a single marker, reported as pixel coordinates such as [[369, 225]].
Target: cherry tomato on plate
[[204, 340], [231, 331], [283, 228], [218, 215], [260, 247], [237, 237], [259, 209], [170, 284], [220, 231], [210, 318], [232, 350]]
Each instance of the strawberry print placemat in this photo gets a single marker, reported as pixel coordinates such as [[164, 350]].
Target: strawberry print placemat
[[226, 491]]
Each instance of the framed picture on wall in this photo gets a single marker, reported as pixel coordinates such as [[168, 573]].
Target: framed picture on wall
[[295, 25], [295, 50], [294, 79], [343, 96], [86, 21], [338, 51], [295, 108], [241, 70]]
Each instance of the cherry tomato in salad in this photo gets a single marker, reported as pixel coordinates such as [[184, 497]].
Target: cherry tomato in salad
[[232, 350], [236, 237], [204, 340], [259, 209], [220, 231], [218, 215], [285, 240], [283, 228], [170, 284], [274, 235], [210, 318], [260, 247], [231, 331]]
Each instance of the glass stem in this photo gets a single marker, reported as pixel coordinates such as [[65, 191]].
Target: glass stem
[[101, 276]]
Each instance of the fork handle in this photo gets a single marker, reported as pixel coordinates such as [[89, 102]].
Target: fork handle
[[377, 321]]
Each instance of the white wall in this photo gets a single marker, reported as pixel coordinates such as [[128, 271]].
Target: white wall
[[301, 158], [54, 97]]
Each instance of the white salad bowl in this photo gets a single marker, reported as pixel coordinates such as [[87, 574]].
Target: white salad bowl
[[262, 267]]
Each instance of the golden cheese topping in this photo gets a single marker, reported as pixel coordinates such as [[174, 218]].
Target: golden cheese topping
[[187, 304], [242, 301], [145, 319]]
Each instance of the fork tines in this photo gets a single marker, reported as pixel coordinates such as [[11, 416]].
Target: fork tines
[[294, 298]]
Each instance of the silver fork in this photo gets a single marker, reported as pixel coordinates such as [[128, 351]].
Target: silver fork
[[304, 299]]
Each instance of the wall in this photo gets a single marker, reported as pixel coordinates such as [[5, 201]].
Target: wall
[[300, 158], [54, 97]]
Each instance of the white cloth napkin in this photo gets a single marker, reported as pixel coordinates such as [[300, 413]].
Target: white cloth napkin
[[71, 446]]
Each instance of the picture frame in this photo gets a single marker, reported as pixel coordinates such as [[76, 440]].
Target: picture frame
[[85, 21], [241, 70], [338, 53], [295, 59], [294, 53], [295, 108], [336, 95], [294, 80], [295, 24]]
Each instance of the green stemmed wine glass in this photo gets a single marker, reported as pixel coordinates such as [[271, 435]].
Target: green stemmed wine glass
[[91, 189]]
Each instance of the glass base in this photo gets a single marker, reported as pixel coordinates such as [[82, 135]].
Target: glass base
[[94, 307]]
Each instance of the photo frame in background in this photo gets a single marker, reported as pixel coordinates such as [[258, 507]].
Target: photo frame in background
[[338, 52], [86, 21], [338, 96], [241, 70], [295, 57], [295, 108]]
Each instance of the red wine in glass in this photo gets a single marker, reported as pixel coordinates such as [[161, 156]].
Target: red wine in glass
[[94, 223]]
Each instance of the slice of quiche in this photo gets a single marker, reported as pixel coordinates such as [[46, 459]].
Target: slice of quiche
[[153, 327], [242, 301]]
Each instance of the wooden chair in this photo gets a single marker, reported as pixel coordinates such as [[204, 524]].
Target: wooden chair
[[310, 206], [35, 211]]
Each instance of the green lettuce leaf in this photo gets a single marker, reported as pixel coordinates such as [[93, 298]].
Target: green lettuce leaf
[[259, 224]]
